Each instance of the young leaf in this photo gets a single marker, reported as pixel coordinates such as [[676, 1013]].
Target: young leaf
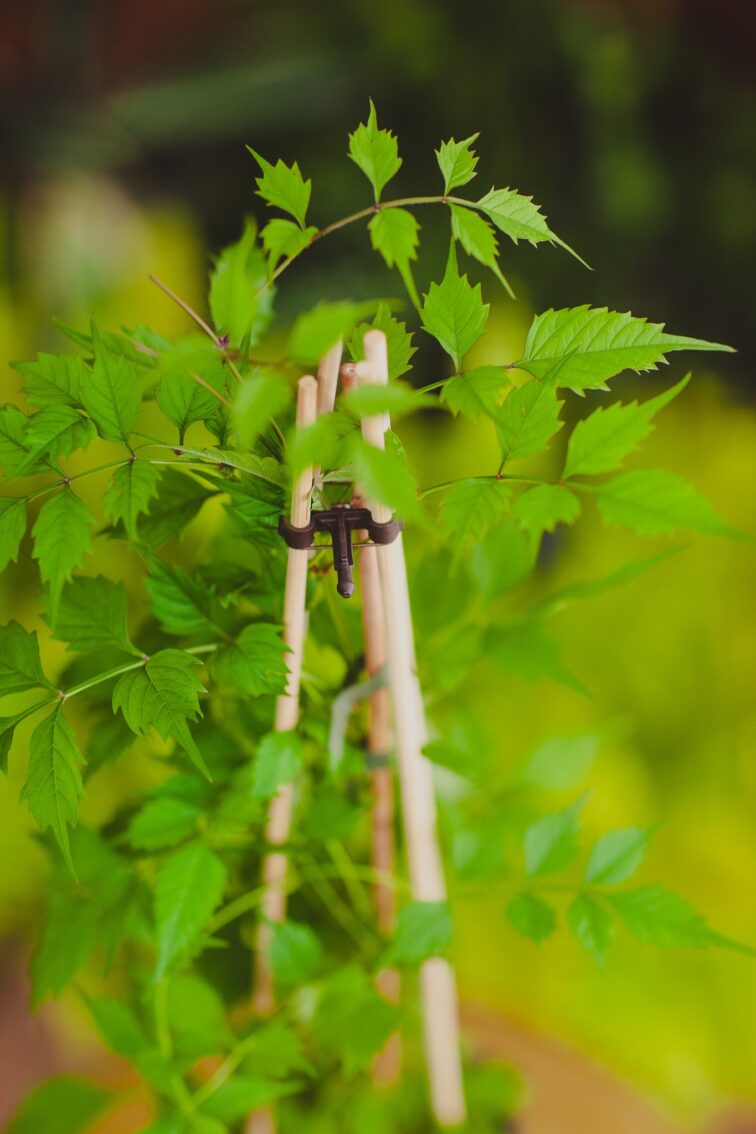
[[189, 885], [278, 761], [457, 162], [478, 239], [91, 615], [12, 528], [601, 442], [184, 401], [394, 233], [476, 391], [531, 917], [551, 843], [235, 281], [423, 930], [282, 238], [395, 398], [52, 379], [129, 494], [294, 953], [658, 917], [65, 1104], [519, 218], [53, 781], [600, 344], [163, 823], [255, 663], [118, 1026], [376, 152], [540, 509], [61, 539], [259, 399], [617, 855], [561, 761], [656, 503], [454, 312], [471, 507], [20, 667], [527, 420], [162, 695], [316, 331], [525, 649], [385, 478], [592, 925], [283, 187], [398, 341], [111, 392], [55, 431]]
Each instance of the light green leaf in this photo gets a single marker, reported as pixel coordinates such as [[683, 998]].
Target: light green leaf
[[118, 1026], [54, 432], [601, 442], [278, 761], [182, 603], [53, 781], [457, 162], [184, 401], [561, 761], [395, 398], [91, 615], [478, 239], [52, 379], [65, 1104], [283, 187], [255, 664], [12, 528], [525, 649], [68, 939], [163, 695], [61, 539], [527, 420], [551, 843], [375, 151], [189, 885], [197, 1017], [476, 391], [398, 341], [178, 499], [352, 1020], [531, 917], [282, 238], [240, 1096], [111, 392], [163, 822], [129, 494], [591, 924], [454, 312], [471, 507], [423, 930], [385, 478], [394, 233], [316, 331], [540, 509], [519, 218], [235, 281], [260, 398], [20, 667], [600, 343], [294, 953], [658, 917], [617, 855], [656, 503]]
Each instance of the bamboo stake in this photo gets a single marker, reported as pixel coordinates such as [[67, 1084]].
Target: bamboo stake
[[438, 990]]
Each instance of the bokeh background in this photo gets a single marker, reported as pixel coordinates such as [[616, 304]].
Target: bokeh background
[[633, 122]]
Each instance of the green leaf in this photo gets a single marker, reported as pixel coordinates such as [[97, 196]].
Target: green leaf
[[600, 343], [243, 1095], [65, 1104], [591, 924], [476, 391], [162, 695], [385, 478], [394, 398], [189, 885], [282, 239], [61, 539], [531, 917], [197, 1017], [178, 499], [255, 664], [394, 233], [376, 152], [601, 442], [259, 399], [182, 603], [278, 761], [20, 667], [454, 312], [235, 281], [423, 930], [112, 392], [551, 843], [457, 162], [283, 187], [352, 1020], [478, 239], [92, 614], [540, 509], [316, 331], [53, 781], [184, 401], [528, 420], [518, 217], [54, 432], [53, 379], [12, 528], [398, 341], [13, 447], [617, 855], [471, 507], [118, 1026], [7, 731], [294, 953], [68, 939], [658, 917], [163, 823], [656, 503], [129, 494], [524, 648], [561, 762]]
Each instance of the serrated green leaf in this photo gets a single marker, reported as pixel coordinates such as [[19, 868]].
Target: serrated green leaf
[[176, 502], [601, 442], [65, 1104], [527, 420], [394, 233], [540, 509], [61, 539], [518, 217], [376, 152], [385, 478], [162, 695], [92, 614], [398, 341], [617, 855], [294, 953], [278, 761], [531, 917], [423, 930], [457, 162], [255, 664], [656, 502], [129, 494], [454, 312], [189, 885], [12, 528], [238, 307], [658, 917], [68, 939], [118, 1026], [592, 925], [600, 344], [184, 401], [111, 392], [551, 843], [53, 783], [54, 432], [163, 823], [316, 331], [182, 603], [471, 507], [253, 508], [476, 391], [20, 667], [197, 1017], [352, 1021], [282, 238], [13, 447], [52, 379], [478, 239], [259, 399], [283, 187]]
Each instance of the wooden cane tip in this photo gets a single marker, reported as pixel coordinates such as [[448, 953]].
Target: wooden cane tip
[[364, 371], [374, 338], [307, 383]]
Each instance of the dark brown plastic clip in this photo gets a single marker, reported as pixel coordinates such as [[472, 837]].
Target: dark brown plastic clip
[[340, 523]]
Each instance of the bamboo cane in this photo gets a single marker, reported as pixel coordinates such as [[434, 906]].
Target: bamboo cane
[[438, 990]]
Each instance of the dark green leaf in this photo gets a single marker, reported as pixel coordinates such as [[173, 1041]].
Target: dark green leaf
[[184, 400], [20, 667], [178, 500], [91, 615], [255, 664], [294, 953], [129, 494], [189, 885], [52, 379], [12, 528], [182, 603], [54, 432], [61, 539], [53, 780]]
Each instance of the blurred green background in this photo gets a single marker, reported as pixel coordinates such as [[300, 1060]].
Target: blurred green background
[[633, 122]]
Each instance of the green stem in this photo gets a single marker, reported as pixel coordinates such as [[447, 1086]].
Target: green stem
[[144, 658], [493, 476]]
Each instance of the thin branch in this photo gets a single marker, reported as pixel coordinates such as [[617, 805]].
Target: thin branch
[[186, 308]]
